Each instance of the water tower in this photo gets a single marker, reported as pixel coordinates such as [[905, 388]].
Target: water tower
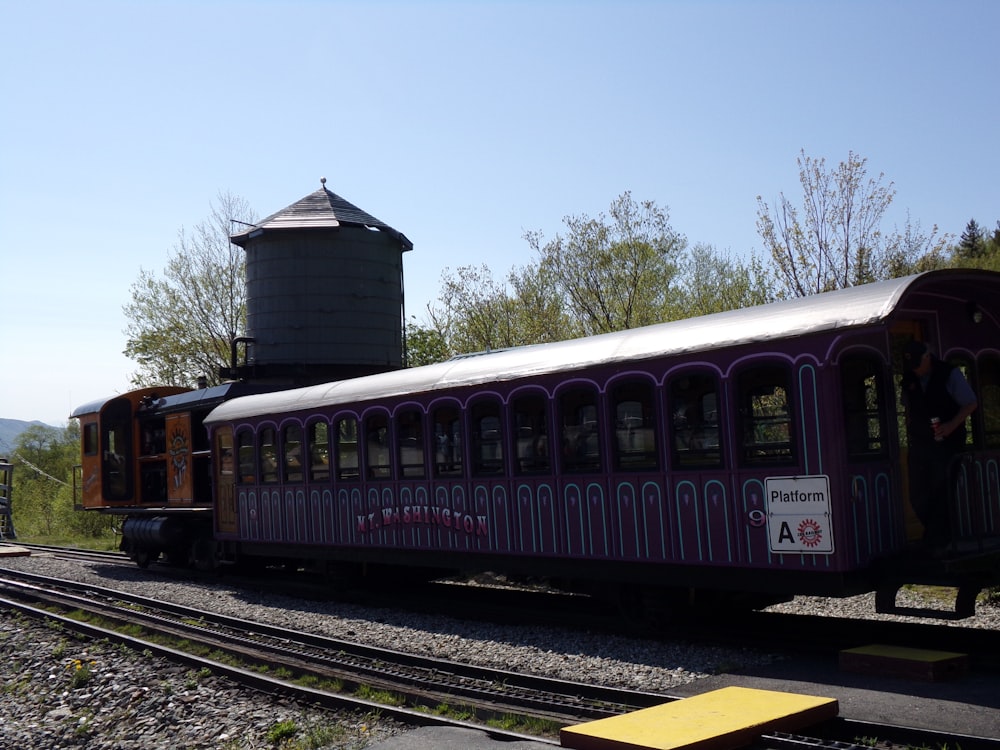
[[324, 293]]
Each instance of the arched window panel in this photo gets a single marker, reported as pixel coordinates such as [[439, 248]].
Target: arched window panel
[[410, 444], [318, 439], [378, 450], [694, 421], [765, 410], [291, 449], [636, 426], [865, 407], [345, 432], [965, 366], [989, 399], [449, 441], [247, 457], [267, 450], [486, 432], [530, 415], [579, 430]]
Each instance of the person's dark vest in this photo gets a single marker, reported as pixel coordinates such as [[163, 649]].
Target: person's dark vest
[[933, 402]]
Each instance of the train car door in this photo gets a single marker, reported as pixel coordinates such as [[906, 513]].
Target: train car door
[[180, 469], [117, 453], [902, 332], [226, 517]]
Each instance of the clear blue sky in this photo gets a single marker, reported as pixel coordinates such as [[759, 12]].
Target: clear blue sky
[[461, 124]]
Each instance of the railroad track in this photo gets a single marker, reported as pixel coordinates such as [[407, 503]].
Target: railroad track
[[77, 553], [765, 631], [421, 685], [417, 684]]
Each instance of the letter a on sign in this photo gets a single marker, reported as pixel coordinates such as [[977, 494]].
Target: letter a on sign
[[798, 514]]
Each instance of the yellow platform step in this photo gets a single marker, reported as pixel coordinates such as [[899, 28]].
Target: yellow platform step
[[900, 661], [723, 719]]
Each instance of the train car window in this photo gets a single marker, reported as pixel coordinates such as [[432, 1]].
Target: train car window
[[865, 407], [90, 442], [268, 452], [972, 437], [487, 438], [989, 399], [319, 451], [635, 427], [377, 448], [154, 437], [117, 471], [347, 448], [579, 430], [694, 421], [291, 447], [248, 460], [410, 443], [766, 414], [531, 434], [448, 442], [224, 452]]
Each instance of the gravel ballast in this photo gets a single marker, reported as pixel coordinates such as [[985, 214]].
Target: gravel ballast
[[127, 700]]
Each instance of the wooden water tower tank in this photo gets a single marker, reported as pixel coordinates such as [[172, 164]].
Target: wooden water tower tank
[[324, 293]]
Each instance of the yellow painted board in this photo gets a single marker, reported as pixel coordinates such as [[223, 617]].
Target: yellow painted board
[[722, 719]]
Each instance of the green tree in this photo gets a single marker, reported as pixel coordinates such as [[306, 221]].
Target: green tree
[[972, 243], [424, 345], [977, 249], [713, 282], [616, 271], [43, 486], [180, 325], [835, 239], [476, 312]]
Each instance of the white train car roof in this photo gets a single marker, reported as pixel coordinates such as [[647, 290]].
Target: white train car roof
[[844, 308]]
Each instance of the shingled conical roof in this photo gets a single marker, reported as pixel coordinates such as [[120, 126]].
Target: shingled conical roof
[[320, 210]]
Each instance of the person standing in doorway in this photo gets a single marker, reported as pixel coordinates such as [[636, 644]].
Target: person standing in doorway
[[938, 400]]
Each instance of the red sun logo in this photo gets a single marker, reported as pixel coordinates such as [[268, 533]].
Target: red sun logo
[[810, 533]]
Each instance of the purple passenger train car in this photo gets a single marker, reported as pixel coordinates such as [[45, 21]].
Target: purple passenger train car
[[758, 453]]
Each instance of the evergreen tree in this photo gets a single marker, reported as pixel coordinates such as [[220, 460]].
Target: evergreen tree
[[972, 243]]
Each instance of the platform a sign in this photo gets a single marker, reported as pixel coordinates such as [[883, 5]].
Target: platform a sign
[[798, 514]]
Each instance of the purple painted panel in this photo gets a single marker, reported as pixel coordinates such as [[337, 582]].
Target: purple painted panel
[[978, 496], [757, 548], [331, 532], [548, 525], [349, 515], [719, 538], [249, 515], [538, 509], [628, 512], [503, 530], [527, 525], [656, 522], [688, 509], [301, 517], [267, 517], [385, 508], [599, 529], [574, 512], [456, 517], [319, 521]]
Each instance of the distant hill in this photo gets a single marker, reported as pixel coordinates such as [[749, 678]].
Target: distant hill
[[10, 429]]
